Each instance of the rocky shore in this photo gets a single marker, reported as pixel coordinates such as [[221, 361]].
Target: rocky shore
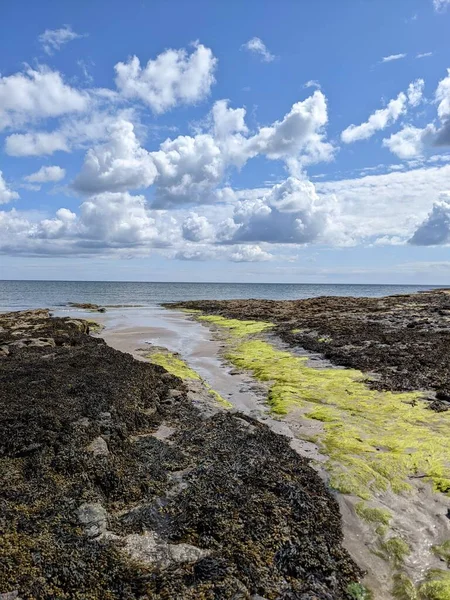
[[114, 485], [403, 340]]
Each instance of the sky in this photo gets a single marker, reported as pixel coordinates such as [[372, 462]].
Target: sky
[[257, 141]]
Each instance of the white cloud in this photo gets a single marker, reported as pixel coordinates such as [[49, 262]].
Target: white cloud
[[250, 253], [424, 54], [392, 204], [441, 5], [120, 164], [290, 213], [106, 222], [174, 77], [375, 210], [6, 194], [411, 141], [191, 168], [435, 230], [73, 133], [312, 83], [443, 97], [299, 133], [53, 39], [35, 144], [45, 174], [392, 57], [197, 228], [257, 46], [37, 94], [415, 92], [379, 120]]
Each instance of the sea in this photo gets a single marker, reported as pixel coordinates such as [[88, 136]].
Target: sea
[[21, 295]]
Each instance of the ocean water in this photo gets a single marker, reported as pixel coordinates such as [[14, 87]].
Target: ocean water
[[20, 295]]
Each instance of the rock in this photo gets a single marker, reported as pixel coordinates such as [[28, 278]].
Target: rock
[[443, 395], [79, 325], [439, 406], [87, 306], [94, 518], [163, 432], [149, 548], [10, 595], [34, 343], [175, 394], [98, 447]]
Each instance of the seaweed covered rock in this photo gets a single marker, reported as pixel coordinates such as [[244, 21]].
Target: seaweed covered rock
[[403, 339], [95, 503]]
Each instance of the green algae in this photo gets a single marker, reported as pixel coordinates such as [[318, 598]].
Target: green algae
[[192, 311], [436, 586], [357, 591], [220, 399], [375, 440], [379, 516], [404, 588], [174, 365], [236, 327], [395, 550], [95, 326], [443, 551], [177, 366]]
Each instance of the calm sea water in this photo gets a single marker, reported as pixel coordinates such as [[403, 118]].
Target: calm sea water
[[19, 295]]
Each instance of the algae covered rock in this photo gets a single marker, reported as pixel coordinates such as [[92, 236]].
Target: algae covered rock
[[229, 511]]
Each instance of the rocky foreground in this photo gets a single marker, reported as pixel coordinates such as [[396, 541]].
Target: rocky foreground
[[404, 340], [115, 486]]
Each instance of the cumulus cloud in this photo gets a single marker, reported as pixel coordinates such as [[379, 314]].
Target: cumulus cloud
[[392, 57], [250, 253], [37, 94], [53, 39], [6, 194], [174, 77], [435, 230], [106, 222], [290, 213], [411, 141], [118, 165], [379, 120], [197, 228], [191, 167], [46, 174], [299, 132], [257, 46]]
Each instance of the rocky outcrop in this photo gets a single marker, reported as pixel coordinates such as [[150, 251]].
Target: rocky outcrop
[[404, 340], [109, 490]]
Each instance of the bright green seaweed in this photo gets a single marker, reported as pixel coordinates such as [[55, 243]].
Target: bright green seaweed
[[171, 363], [177, 366], [375, 440]]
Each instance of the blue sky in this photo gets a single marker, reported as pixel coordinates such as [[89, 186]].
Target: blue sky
[[225, 141]]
